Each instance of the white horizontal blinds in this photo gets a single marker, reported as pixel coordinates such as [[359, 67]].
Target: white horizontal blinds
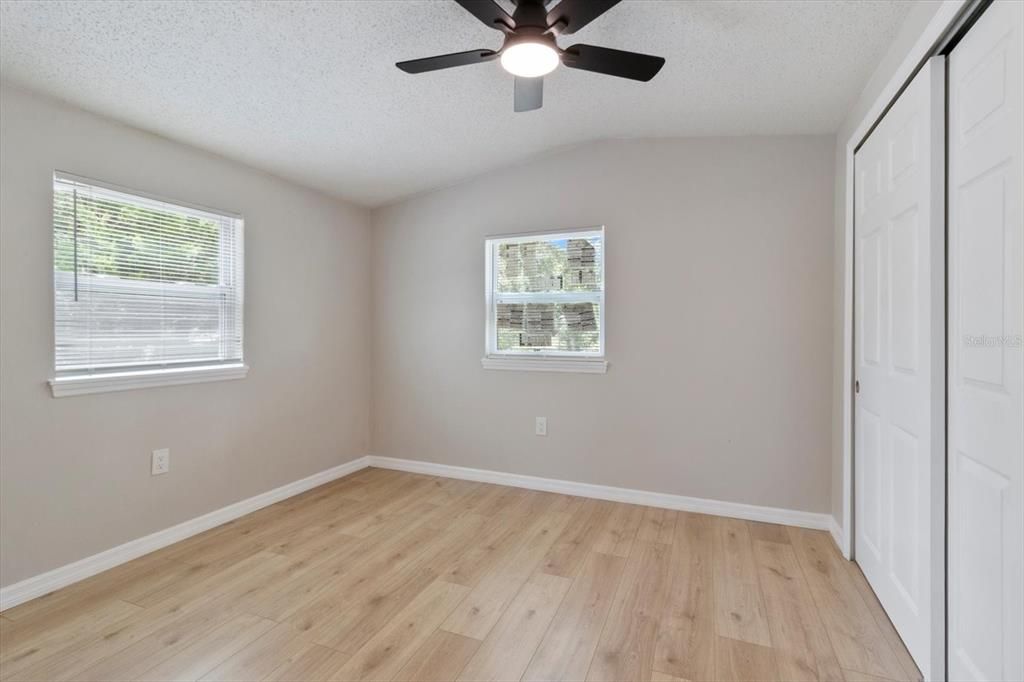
[[141, 283], [548, 292]]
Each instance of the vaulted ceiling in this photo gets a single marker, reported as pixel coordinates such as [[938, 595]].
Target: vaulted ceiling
[[309, 91]]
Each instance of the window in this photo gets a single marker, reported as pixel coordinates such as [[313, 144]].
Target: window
[[545, 301], [146, 292]]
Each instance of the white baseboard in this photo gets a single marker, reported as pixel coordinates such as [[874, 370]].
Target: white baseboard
[[837, 535], [36, 586], [749, 512]]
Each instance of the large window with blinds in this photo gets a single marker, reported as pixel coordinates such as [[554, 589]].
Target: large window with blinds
[[142, 284], [545, 295]]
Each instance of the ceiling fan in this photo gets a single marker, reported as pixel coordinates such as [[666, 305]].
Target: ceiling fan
[[530, 50]]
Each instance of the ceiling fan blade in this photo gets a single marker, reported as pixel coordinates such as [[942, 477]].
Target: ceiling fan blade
[[489, 12], [575, 14], [447, 61], [639, 67], [529, 93]]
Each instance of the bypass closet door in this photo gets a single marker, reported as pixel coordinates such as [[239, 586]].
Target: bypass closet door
[[986, 372], [900, 364]]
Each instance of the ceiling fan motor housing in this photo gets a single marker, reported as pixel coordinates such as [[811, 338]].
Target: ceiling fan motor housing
[[531, 14], [529, 50]]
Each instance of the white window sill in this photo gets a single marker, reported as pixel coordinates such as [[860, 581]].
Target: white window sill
[[545, 364], [125, 381]]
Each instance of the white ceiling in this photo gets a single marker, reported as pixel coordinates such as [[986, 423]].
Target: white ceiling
[[309, 91]]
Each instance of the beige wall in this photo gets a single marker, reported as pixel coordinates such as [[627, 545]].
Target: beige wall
[[913, 26], [74, 472], [719, 308]]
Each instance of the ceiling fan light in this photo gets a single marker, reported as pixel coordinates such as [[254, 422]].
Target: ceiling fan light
[[529, 60]]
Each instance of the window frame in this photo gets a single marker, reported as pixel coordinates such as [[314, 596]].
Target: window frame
[[125, 377], [542, 360]]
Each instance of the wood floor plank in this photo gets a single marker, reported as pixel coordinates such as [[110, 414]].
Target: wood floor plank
[[740, 661], [657, 525], [510, 644], [384, 655], [574, 543], [211, 650], [739, 604], [306, 579], [481, 609], [132, 661], [502, 499], [315, 664], [178, 578], [319, 617], [856, 639], [28, 641], [253, 535], [440, 658], [201, 604], [378, 600], [626, 648], [307, 542], [567, 504], [768, 532], [456, 502], [662, 677], [568, 646], [120, 583], [910, 670], [437, 578], [281, 646], [356, 625], [619, 531], [686, 632], [496, 539], [802, 647], [399, 509]]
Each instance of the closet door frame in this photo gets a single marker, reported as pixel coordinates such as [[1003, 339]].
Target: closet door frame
[[944, 26], [951, 21], [900, 479]]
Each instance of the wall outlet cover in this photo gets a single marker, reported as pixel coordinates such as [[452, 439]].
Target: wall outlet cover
[[161, 462]]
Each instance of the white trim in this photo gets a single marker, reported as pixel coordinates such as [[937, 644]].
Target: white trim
[[123, 381], [944, 17], [44, 583], [36, 586], [837, 533], [569, 233], [545, 364], [136, 193], [735, 510], [491, 297]]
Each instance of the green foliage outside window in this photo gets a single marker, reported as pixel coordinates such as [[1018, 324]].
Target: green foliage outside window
[[133, 242]]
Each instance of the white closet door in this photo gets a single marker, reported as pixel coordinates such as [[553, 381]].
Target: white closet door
[[986, 371], [899, 341]]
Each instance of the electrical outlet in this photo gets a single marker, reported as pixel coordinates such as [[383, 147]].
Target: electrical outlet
[[161, 461], [542, 426]]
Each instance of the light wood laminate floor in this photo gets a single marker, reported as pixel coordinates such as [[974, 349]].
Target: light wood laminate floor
[[386, 575]]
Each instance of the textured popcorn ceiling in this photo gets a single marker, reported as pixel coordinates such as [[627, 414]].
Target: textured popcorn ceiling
[[309, 91]]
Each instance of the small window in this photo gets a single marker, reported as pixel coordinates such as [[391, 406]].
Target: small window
[[545, 301], [142, 285]]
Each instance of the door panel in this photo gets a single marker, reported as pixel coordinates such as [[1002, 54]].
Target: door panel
[[900, 335], [986, 371], [905, 299]]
